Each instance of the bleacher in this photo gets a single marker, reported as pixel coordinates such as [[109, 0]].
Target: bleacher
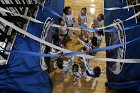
[[7, 34]]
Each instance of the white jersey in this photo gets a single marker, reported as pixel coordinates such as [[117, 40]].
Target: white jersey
[[89, 71], [83, 20], [99, 39], [86, 45], [63, 30], [67, 65], [55, 64], [78, 74], [69, 18], [101, 23], [98, 23]]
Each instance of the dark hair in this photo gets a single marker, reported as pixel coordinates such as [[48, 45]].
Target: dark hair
[[60, 62], [84, 8], [102, 16], [75, 68], [65, 10], [84, 48], [94, 41], [97, 71], [60, 19], [55, 38], [101, 32], [47, 49]]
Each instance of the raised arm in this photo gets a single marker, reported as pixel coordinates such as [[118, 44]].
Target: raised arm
[[86, 65]]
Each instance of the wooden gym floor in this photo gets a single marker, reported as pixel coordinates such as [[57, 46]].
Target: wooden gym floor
[[65, 85]]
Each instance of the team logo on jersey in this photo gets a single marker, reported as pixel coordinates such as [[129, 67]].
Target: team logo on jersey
[[136, 8], [118, 38], [46, 27]]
